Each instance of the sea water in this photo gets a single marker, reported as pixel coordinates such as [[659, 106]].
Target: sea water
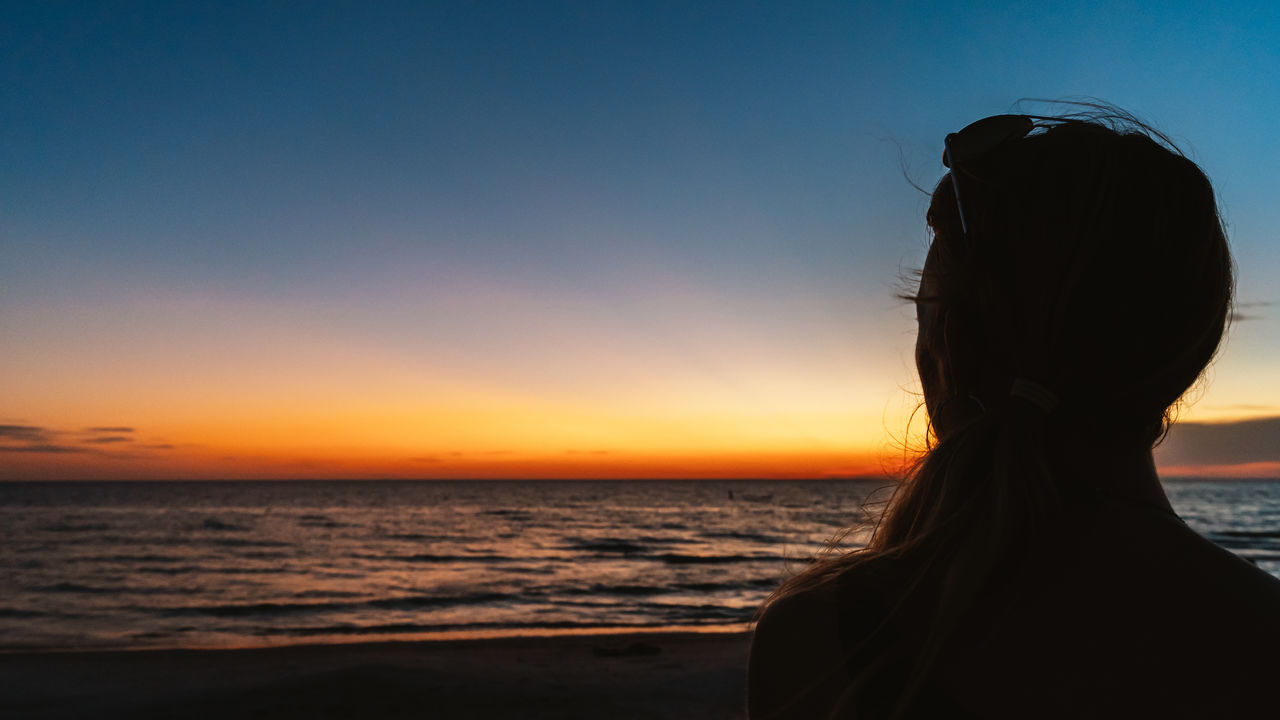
[[211, 564]]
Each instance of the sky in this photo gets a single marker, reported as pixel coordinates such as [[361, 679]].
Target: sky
[[549, 239]]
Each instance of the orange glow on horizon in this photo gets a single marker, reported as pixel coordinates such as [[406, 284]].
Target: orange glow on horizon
[[142, 459], [483, 436], [455, 465], [1244, 471], [441, 437]]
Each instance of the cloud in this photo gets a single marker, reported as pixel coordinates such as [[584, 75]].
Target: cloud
[[1238, 316], [23, 433], [42, 448], [38, 439], [32, 439], [1230, 443]]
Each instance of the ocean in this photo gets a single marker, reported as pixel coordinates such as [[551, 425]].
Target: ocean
[[236, 564]]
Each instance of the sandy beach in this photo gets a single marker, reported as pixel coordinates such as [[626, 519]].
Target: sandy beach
[[666, 675]]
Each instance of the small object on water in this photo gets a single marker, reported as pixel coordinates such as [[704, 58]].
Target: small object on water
[[635, 649]]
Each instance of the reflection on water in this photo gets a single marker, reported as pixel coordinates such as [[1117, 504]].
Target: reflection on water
[[239, 563], [253, 563]]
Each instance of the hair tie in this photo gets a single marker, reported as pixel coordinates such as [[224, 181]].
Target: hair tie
[[1034, 393]]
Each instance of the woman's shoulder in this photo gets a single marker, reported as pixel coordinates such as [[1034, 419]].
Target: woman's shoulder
[[806, 639], [812, 615], [842, 647], [1152, 555], [1131, 605], [796, 667]]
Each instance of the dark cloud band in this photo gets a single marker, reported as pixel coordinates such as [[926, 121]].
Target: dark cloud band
[[1232, 443]]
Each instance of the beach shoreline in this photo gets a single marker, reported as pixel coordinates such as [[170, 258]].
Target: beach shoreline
[[618, 675]]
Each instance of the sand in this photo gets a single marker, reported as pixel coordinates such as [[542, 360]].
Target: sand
[[671, 675]]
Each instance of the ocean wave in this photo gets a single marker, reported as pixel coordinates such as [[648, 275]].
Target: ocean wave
[[241, 542], [1256, 557], [126, 559], [323, 521], [623, 590], [1247, 542], [509, 513], [426, 628], [429, 558], [632, 590], [743, 535], [72, 527], [180, 570], [667, 540], [20, 614], [71, 588], [216, 524], [678, 559], [211, 570], [309, 594], [77, 588], [702, 613], [1249, 533], [710, 587], [625, 546], [232, 611], [619, 546], [429, 537], [184, 540], [264, 555], [410, 602], [428, 601]]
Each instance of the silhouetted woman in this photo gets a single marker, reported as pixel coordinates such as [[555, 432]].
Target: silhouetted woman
[[1030, 565]]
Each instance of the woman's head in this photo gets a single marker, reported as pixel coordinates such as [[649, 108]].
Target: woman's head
[[1091, 260], [1083, 288]]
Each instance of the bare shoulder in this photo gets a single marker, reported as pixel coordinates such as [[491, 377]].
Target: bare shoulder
[[1134, 606], [1160, 555], [1232, 596], [1192, 615], [797, 666]]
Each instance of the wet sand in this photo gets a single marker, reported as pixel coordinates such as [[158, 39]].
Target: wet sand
[[670, 675]]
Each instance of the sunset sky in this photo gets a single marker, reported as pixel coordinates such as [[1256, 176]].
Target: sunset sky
[[545, 239]]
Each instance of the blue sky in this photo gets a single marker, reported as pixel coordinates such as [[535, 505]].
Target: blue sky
[[618, 209]]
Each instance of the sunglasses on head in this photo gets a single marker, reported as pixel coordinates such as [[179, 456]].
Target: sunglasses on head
[[975, 140]]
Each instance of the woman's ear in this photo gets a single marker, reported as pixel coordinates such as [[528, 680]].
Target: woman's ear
[[931, 355]]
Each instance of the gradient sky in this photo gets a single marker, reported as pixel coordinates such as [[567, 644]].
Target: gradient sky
[[482, 239]]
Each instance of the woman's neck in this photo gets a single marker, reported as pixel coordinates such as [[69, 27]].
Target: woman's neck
[[1128, 477]]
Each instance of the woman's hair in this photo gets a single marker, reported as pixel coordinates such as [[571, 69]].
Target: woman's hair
[[1094, 265]]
